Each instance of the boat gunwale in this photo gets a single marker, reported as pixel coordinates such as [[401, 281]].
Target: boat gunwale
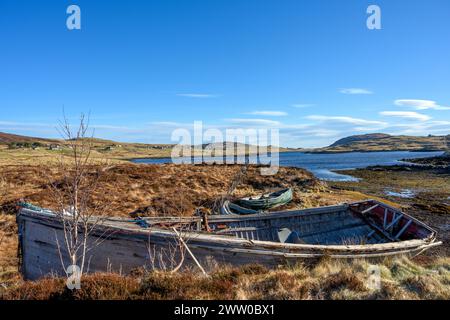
[[267, 196], [223, 240], [276, 214]]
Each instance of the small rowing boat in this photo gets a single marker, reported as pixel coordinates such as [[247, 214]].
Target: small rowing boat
[[267, 201], [232, 208]]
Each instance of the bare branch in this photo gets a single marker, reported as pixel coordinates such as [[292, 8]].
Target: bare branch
[[72, 192]]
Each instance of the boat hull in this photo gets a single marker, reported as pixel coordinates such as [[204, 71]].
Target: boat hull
[[121, 246]]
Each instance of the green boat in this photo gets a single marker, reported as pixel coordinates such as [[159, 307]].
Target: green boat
[[232, 208], [267, 201]]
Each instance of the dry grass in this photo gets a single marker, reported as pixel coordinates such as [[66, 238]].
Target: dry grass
[[328, 279], [151, 190], [9, 273]]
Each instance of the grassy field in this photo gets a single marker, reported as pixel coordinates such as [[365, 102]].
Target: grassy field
[[177, 190]]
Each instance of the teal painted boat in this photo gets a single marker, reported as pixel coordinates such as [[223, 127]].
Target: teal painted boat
[[267, 201], [232, 208]]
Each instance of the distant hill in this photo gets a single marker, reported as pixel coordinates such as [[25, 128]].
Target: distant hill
[[7, 138], [386, 142], [359, 138], [362, 143]]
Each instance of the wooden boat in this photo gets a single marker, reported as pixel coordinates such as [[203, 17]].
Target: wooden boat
[[267, 201], [367, 229], [232, 208]]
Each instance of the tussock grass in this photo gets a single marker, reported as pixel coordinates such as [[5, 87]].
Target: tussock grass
[[9, 273], [401, 278], [152, 190]]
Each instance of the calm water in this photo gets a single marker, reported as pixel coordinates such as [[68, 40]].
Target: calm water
[[322, 165]]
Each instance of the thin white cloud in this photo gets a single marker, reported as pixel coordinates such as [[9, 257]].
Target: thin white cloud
[[263, 122], [421, 128], [197, 95], [321, 132], [355, 91], [345, 119], [406, 115], [269, 113], [420, 104], [169, 124], [302, 105], [20, 124]]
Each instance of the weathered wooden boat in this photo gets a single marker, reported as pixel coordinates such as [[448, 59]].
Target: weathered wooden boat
[[267, 201], [232, 208], [367, 229]]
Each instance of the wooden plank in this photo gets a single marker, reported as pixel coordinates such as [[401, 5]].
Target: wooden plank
[[394, 222], [403, 229], [370, 209], [386, 211], [371, 233]]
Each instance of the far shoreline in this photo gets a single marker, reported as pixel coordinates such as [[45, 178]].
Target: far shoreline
[[335, 175]]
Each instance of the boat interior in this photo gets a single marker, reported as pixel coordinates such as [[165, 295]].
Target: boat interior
[[361, 223], [333, 226]]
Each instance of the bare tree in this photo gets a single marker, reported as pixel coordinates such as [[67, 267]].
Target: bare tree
[[171, 256], [237, 180], [167, 258], [80, 178]]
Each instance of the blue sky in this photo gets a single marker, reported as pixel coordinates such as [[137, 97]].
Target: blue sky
[[143, 68]]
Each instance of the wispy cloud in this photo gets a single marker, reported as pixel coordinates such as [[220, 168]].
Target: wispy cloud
[[420, 104], [269, 113], [23, 124], [197, 95], [322, 132], [421, 128], [406, 115], [302, 105], [345, 119], [169, 124], [256, 122], [355, 91]]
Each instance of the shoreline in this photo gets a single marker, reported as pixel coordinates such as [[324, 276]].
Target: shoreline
[[373, 151], [404, 162]]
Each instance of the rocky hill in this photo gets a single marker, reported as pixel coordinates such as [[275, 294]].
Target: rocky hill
[[386, 142]]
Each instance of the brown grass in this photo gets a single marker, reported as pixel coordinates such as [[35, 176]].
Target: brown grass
[[151, 190], [8, 251], [400, 279]]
